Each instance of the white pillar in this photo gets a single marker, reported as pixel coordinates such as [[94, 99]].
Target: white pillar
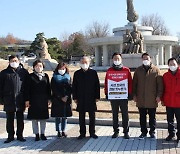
[[161, 54], [120, 48], [144, 47], [168, 52], [97, 54], [105, 55]]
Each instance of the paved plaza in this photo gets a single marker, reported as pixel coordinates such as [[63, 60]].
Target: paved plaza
[[104, 144]]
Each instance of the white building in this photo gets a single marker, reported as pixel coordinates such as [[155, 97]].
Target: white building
[[159, 47]]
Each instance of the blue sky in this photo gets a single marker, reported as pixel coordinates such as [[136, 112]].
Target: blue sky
[[25, 18]]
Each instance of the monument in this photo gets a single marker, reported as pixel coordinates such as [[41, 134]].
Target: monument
[[132, 16], [42, 51], [43, 54], [132, 40]]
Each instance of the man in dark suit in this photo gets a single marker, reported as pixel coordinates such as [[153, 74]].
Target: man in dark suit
[[12, 81], [86, 92]]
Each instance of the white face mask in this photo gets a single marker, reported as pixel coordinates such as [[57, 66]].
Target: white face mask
[[38, 69], [117, 62], [146, 62], [62, 71], [173, 68], [84, 66], [14, 65]]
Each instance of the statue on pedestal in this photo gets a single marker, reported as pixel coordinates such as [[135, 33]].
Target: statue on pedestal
[[42, 51], [132, 16], [132, 42]]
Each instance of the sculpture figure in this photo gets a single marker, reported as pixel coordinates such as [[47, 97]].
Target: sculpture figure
[[132, 16], [137, 40]]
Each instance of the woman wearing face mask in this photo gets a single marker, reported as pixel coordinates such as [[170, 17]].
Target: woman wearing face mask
[[171, 98], [61, 98], [38, 94]]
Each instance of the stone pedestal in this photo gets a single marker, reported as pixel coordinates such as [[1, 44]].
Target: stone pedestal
[[132, 60]]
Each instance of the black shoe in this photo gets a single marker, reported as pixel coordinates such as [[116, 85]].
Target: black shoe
[[59, 134], [126, 136], [81, 137], [43, 137], [142, 136], [94, 136], [115, 135], [170, 137], [20, 138], [37, 138], [8, 140], [152, 136], [64, 134]]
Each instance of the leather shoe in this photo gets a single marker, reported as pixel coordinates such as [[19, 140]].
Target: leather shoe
[[126, 136], [8, 140], [81, 137], [94, 136], [43, 137], [115, 135], [20, 138], [170, 137]]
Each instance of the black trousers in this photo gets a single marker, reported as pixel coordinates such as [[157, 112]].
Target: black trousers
[[171, 113], [10, 123], [82, 123], [143, 120], [123, 105]]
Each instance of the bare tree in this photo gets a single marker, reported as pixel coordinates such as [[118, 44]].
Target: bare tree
[[155, 21], [96, 30]]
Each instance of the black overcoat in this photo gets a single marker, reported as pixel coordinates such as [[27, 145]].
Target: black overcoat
[[86, 89], [12, 86], [38, 92]]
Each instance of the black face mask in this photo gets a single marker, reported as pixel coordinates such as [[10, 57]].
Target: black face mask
[[117, 67]]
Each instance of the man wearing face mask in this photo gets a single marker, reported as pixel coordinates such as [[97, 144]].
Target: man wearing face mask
[[147, 91], [12, 81], [121, 103], [171, 98], [86, 92]]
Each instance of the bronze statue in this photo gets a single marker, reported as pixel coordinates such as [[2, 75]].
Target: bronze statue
[[137, 40], [127, 42], [132, 16], [132, 42]]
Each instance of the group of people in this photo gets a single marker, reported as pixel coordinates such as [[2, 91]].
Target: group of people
[[34, 91]]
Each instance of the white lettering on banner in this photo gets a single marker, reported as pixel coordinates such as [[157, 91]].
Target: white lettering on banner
[[118, 90], [117, 85]]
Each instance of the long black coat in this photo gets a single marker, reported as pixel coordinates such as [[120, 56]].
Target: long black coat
[[86, 89], [38, 93], [12, 88], [59, 90]]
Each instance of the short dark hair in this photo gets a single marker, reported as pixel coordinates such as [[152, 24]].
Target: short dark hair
[[38, 61], [170, 59], [115, 54], [145, 54], [12, 57], [60, 65]]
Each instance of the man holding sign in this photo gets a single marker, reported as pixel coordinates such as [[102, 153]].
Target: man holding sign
[[118, 88]]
